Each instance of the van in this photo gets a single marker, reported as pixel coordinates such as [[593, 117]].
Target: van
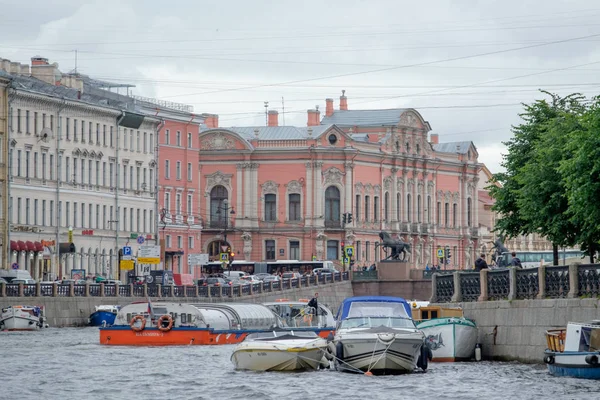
[[12, 274]]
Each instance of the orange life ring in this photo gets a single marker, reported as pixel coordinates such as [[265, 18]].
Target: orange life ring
[[134, 320], [159, 323]]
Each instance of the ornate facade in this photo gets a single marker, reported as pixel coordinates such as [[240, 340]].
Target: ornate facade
[[291, 186]]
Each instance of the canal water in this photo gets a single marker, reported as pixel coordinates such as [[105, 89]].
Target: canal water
[[69, 363]]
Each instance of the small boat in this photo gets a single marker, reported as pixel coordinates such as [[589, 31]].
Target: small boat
[[574, 351], [286, 350], [22, 318], [448, 334], [297, 315], [104, 315], [167, 324], [376, 335]]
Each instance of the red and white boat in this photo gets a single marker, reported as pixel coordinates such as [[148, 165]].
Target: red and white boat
[[22, 318]]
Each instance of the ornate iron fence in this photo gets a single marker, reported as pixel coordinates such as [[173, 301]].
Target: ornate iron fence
[[444, 287], [470, 286], [498, 284], [527, 283], [557, 281], [138, 290], [588, 280]]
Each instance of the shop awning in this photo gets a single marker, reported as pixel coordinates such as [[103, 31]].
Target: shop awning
[[29, 246], [14, 246], [22, 245]]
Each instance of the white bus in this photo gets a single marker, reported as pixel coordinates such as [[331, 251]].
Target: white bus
[[531, 259]]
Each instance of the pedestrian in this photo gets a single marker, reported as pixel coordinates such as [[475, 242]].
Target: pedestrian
[[515, 262], [480, 263], [314, 303]]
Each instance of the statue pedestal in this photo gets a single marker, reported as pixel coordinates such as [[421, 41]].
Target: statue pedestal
[[393, 270]]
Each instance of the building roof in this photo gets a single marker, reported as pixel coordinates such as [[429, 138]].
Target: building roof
[[278, 132], [484, 197], [364, 117], [453, 147]]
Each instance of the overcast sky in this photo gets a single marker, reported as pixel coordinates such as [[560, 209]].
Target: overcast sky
[[465, 66]]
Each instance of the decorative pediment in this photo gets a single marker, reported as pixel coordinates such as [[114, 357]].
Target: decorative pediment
[[294, 187], [99, 155], [152, 164], [408, 118], [270, 187], [85, 153], [368, 188], [429, 187], [13, 143], [387, 183], [411, 183], [125, 161], [92, 154], [137, 162], [359, 187], [377, 189], [216, 179], [217, 141], [76, 151], [333, 175], [455, 197]]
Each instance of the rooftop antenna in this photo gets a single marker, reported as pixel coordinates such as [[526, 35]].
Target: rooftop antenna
[[75, 70], [283, 109], [266, 113]]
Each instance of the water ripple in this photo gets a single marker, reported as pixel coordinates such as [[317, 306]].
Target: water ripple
[[70, 364]]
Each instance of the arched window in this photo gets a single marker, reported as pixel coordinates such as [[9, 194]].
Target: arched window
[[218, 207], [398, 206], [419, 208], [408, 208], [428, 211], [332, 206], [386, 206], [367, 208], [214, 248], [469, 211], [454, 215]]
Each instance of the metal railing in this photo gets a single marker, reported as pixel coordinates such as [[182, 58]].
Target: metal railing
[[365, 275], [544, 282]]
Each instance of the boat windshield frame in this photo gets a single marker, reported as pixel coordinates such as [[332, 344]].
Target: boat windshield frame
[[368, 322], [282, 334]]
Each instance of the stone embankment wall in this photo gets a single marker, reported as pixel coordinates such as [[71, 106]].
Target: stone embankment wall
[[410, 290], [75, 311], [514, 330]]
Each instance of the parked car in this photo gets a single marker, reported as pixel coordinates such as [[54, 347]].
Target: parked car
[[250, 279], [324, 271], [290, 275], [271, 278], [262, 275], [215, 282]]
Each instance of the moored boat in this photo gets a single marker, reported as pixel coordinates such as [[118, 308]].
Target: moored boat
[[104, 315], [286, 350], [22, 318], [448, 334], [376, 335], [574, 351], [165, 323], [299, 316]]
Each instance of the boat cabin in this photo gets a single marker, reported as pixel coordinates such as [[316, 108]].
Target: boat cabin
[[422, 311], [579, 336]]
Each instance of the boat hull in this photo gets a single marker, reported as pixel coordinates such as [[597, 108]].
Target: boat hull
[[572, 364], [450, 339], [119, 335], [279, 357], [380, 354], [102, 318], [17, 322]]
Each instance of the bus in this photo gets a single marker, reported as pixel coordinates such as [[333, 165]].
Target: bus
[[269, 267], [530, 259]]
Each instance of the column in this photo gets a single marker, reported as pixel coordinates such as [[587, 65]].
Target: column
[[247, 195], [393, 199], [348, 189], [308, 195], [238, 195], [254, 194], [319, 207], [404, 193], [474, 203], [415, 197]]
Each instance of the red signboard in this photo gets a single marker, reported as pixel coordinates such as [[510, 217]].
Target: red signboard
[[87, 232]]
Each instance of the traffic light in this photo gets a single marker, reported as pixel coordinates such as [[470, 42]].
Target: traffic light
[[342, 245], [231, 256], [349, 218], [448, 255], [344, 217]]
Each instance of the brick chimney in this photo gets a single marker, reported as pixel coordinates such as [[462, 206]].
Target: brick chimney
[[314, 117], [273, 118], [328, 107], [343, 101], [43, 71], [211, 120], [435, 138]]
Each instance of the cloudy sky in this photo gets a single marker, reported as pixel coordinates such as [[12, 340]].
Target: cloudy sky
[[467, 67]]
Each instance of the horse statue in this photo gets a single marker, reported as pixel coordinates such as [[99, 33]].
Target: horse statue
[[498, 249], [397, 247]]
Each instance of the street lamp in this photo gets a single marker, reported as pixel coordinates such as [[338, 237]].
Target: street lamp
[[226, 210]]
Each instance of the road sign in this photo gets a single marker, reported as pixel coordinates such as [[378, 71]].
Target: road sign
[[126, 253], [346, 260], [224, 256], [15, 266], [224, 248], [133, 236], [140, 239], [126, 264], [149, 255], [440, 253], [198, 259], [349, 251]]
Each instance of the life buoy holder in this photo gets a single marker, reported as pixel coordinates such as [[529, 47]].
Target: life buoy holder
[[159, 324], [133, 325]]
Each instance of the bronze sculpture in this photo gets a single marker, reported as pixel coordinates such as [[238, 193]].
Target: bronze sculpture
[[397, 247]]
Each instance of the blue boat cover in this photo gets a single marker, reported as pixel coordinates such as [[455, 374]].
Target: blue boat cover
[[344, 309]]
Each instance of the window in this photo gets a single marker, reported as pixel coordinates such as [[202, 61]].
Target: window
[[104, 138], [446, 214], [357, 208], [51, 166], [294, 211], [332, 206], [189, 204], [131, 176], [428, 210], [51, 213], [82, 131], [270, 207], [178, 203], [111, 174], [178, 138], [35, 122], [138, 219], [112, 138], [138, 146], [125, 146], [190, 242], [294, 250], [358, 252], [90, 125], [125, 177], [167, 134], [67, 170], [167, 169], [75, 130], [189, 141], [67, 214], [439, 213], [27, 211], [219, 211], [90, 220], [419, 208], [82, 215], [409, 207], [74, 214], [179, 242], [68, 128], [469, 211], [27, 154], [97, 225], [376, 208], [131, 140], [138, 180], [145, 142], [332, 249], [43, 212], [168, 240], [178, 170], [151, 143], [18, 210], [332, 139], [386, 207], [18, 162], [367, 251], [454, 214], [269, 249], [367, 208], [189, 172], [105, 218], [97, 173], [27, 122], [124, 218], [167, 204], [43, 120], [18, 120], [398, 206]]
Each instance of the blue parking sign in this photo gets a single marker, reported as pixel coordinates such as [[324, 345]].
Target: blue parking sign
[[127, 250]]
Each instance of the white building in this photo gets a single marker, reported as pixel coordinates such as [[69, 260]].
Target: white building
[[78, 161]]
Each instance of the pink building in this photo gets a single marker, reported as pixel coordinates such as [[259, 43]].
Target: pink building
[[179, 225], [280, 192]]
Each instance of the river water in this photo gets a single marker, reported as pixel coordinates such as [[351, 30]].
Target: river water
[[69, 363]]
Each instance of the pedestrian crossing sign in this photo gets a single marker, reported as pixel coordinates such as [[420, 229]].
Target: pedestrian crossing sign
[[349, 251], [440, 253], [224, 256]]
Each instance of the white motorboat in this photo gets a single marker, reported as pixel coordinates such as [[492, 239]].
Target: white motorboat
[[574, 351], [280, 351], [22, 318], [448, 334], [376, 335]]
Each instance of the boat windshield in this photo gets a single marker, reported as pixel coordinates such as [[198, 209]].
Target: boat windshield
[[377, 309], [281, 334], [374, 322]]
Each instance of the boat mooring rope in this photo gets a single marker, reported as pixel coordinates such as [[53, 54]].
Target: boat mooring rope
[[371, 365]]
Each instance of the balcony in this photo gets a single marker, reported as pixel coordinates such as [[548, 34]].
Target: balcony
[[329, 223], [220, 224]]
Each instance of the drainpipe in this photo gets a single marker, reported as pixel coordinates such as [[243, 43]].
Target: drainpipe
[[58, 176], [116, 219]]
